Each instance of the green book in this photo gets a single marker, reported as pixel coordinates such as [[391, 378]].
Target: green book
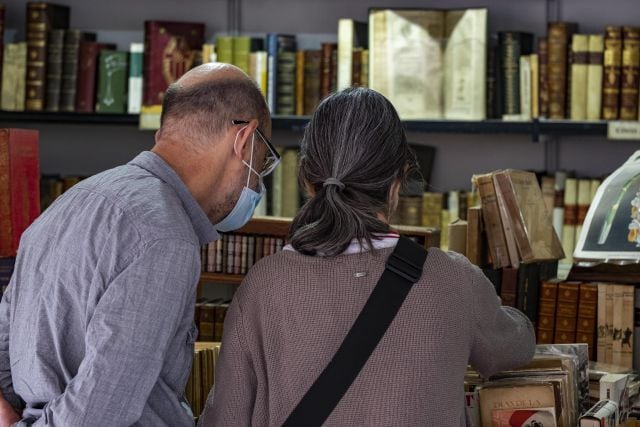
[[112, 82], [136, 54], [241, 52], [224, 47]]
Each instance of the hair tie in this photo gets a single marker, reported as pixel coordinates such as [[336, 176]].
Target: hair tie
[[333, 181]]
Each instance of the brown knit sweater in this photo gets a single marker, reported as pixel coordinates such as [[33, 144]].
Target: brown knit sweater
[[292, 312]]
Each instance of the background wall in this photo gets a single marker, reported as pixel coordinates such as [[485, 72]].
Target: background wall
[[84, 150]]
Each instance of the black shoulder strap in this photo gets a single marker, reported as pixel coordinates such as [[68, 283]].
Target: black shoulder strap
[[403, 269]]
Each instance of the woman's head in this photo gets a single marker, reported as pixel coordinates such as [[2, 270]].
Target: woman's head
[[354, 157]]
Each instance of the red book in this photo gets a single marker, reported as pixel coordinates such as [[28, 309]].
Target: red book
[[19, 186], [88, 55], [170, 51]]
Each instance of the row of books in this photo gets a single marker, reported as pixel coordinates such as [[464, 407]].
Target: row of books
[[202, 377], [572, 75], [209, 318], [237, 253]]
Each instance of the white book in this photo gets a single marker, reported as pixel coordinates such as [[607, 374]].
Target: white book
[[136, 52], [345, 53], [525, 87], [258, 69]]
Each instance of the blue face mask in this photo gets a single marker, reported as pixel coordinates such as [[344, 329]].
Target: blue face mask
[[247, 202]]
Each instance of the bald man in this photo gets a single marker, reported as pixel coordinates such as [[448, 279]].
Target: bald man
[[96, 328]]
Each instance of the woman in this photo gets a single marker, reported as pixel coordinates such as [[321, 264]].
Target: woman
[[294, 309]]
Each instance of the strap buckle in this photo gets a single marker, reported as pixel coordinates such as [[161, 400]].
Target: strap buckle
[[404, 267]]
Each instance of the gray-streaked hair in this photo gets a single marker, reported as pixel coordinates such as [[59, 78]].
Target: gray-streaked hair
[[207, 108], [356, 137]]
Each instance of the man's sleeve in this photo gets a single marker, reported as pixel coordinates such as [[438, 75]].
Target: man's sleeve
[[127, 338], [6, 383]]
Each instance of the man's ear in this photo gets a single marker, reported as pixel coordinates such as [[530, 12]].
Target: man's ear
[[246, 133]]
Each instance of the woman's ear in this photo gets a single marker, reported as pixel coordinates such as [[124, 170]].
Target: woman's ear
[[309, 188], [394, 195]]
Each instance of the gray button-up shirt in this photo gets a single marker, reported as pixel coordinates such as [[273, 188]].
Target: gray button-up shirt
[[96, 328]]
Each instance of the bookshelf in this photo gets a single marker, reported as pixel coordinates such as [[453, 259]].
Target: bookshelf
[[279, 227]]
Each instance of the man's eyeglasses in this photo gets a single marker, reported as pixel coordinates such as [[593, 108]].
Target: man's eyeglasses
[[272, 159]]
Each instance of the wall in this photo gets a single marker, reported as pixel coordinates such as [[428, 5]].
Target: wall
[[86, 150]]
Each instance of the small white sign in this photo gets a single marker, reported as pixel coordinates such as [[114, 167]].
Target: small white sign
[[623, 130]]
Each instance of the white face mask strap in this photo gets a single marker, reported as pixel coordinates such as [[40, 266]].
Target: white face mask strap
[[250, 164]]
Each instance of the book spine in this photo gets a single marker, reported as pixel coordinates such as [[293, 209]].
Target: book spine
[[611, 69], [543, 97], [534, 60], [237, 254], [69, 70], [566, 313], [630, 73], [272, 70], [594, 77], [558, 204], [579, 64], [311, 81], [618, 324], [626, 332], [13, 76], [492, 222], [87, 72], [492, 82], [558, 36], [602, 324], [20, 177], [112, 82], [285, 104], [241, 52], [245, 254], [570, 218], [55, 46], [356, 67], [587, 316], [364, 78], [474, 248], [510, 67], [547, 312], [345, 53], [299, 92], [326, 65], [37, 28], [509, 286], [136, 54], [609, 308], [225, 49], [525, 87]]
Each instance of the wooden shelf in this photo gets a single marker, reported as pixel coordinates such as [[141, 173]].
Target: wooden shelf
[[298, 123], [234, 279]]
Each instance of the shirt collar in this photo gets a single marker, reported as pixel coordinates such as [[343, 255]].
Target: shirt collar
[[159, 168]]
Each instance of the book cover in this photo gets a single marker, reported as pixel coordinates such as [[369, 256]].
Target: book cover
[[19, 186], [559, 35], [465, 62], [311, 79], [513, 45], [258, 70], [525, 87], [548, 192], [225, 49], [492, 221], [13, 76], [286, 84], [41, 18], [532, 227], [602, 414], [509, 286], [112, 82], [170, 51], [579, 71], [241, 52], [276, 43], [493, 95], [547, 311], [406, 61], [587, 316], [299, 91], [134, 98], [70, 67], [594, 76], [432, 204], [326, 68], [539, 394], [55, 46], [566, 312], [528, 292], [351, 35], [603, 327], [612, 69], [618, 324], [475, 249], [539, 417], [88, 57], [629, 73], [508, 225]]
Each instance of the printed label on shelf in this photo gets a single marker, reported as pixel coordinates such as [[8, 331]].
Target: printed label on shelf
[[623, 130]]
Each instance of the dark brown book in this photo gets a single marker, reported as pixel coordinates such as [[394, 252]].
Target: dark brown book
[[547, 311], [41, 18], [259, 248], [311, 80], [55, 45], [587, 316], [334, 70], [356, 67], [89, 52], [494, 100], [237, 254], [220, 314], [169, 52], [543, 84], [566, 312], [286, 89], [629, 73], [327, 68], [299, 83], [70, 67], [559, 35], [207, 322], [475, 237], [611, 70], [509, 287], [513, 45], [492, 221]]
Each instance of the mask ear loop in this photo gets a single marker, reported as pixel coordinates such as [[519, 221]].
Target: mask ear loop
[[250, 164]]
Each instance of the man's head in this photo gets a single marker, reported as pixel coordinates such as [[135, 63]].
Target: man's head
[[199, 139]]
